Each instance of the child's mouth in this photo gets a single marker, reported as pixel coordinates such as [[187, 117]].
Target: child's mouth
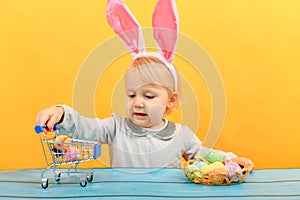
[[140, 114]]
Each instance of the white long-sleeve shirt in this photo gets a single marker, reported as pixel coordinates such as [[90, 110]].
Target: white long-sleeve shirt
[[133, 146]]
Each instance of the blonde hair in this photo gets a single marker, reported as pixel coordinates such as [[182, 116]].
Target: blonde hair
[[152, 70]]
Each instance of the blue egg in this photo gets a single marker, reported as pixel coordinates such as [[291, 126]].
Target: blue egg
[[200, 164]]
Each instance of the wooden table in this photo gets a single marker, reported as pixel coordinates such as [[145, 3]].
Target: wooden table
[[149, 184]]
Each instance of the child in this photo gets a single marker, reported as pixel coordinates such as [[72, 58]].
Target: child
[[144, 138]]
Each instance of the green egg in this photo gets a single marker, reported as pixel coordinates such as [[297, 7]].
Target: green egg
[[190, 168], [214, 156]]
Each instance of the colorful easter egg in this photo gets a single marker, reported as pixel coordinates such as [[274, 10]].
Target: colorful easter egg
[[214, 156], [230, 166], [190, 168], [207, 168], [200, 164], [72, 154], [217, 176], [217, 164], [189, 171], [244, 162]]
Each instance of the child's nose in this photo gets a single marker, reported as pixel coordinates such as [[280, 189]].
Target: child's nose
[[138, 102]]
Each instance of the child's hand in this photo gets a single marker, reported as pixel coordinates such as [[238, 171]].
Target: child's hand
[[50, 117]]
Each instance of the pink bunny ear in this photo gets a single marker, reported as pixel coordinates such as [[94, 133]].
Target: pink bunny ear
[[125, 25], [165, 28]]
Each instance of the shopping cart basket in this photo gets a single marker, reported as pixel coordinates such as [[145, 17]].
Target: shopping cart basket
[[63, 155]]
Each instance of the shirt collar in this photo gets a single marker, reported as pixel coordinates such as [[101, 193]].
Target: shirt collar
[[166, 133]]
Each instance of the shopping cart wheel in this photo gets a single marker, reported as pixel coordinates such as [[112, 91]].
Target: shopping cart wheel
[[57, 177], [90, 177], [44, 183], [83, 182]]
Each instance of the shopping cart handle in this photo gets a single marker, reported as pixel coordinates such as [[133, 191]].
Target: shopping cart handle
[[39, 129], [97, 151]]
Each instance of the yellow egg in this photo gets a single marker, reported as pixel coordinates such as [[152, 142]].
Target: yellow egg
[[207, 168], [217, 165]]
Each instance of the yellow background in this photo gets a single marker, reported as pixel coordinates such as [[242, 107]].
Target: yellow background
[[255, 45]]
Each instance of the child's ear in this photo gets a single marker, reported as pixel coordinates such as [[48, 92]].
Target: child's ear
[[173, 99]]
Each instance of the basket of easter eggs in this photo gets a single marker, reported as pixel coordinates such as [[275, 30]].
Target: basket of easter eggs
[[211, 169]]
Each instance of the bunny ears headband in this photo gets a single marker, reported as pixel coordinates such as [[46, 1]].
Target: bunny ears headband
[[165, 31]]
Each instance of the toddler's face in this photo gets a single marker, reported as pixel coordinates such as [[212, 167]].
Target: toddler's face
[[146, 103]]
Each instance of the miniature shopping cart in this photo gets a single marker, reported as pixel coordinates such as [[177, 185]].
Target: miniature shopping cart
[[63, 155]]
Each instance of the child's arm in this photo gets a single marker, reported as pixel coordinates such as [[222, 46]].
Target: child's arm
[[194, 146], [82, 127], [205, 151], [87, 128], [199, 150]]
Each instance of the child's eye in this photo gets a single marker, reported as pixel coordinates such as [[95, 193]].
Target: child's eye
[[149, 96], [131, 95]]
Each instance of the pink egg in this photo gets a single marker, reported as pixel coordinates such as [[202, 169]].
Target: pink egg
[[72, 154]]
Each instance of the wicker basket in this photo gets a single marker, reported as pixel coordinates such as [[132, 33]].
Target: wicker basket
[[219, 176]]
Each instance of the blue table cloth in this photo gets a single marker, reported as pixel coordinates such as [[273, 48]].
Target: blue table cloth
[[149, 184]]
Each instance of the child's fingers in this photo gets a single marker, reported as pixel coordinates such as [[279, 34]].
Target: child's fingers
[[49, 117], [53, 120], [56, 115], [42, 117]]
